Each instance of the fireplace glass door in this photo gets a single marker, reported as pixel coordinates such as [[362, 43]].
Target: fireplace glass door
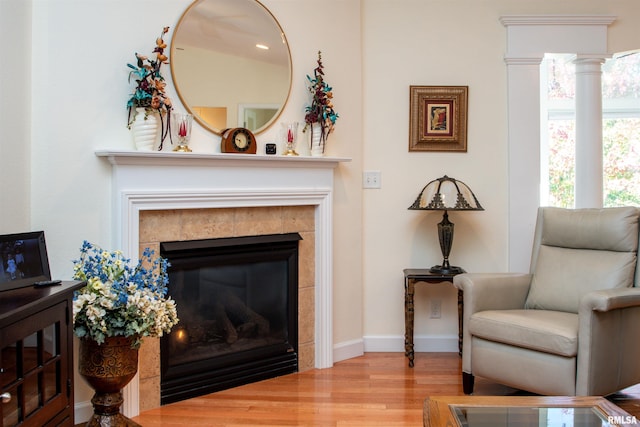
[[237, 304]]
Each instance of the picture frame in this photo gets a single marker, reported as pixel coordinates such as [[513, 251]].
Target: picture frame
[[23, 260], [438, 118]]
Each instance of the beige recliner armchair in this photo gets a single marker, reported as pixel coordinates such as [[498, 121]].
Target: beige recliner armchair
[[571, 326]]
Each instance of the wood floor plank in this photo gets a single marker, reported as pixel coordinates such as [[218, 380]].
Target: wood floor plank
[[377, 389]]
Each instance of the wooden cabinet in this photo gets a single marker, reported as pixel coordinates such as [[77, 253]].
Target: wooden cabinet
[[36, 356]]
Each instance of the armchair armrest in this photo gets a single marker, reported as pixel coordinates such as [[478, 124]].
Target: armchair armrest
[[493, 291], [608, 348], [488, 291], [610, 299]]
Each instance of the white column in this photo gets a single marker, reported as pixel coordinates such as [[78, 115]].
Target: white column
[[589, 186], [524, 156]]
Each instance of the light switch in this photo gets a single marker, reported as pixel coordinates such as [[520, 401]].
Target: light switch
[[371, 179]]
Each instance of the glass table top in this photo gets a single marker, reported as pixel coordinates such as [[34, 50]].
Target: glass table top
[[469, 416]]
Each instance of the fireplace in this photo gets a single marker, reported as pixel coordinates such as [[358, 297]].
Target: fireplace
[[237, 300], [166, 196]]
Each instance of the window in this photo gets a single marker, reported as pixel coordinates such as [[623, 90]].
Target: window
[[621, 130]]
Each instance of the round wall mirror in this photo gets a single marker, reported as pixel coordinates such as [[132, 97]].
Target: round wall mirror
[[231, 64]]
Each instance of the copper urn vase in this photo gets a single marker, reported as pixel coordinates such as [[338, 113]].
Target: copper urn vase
[[108, 367]]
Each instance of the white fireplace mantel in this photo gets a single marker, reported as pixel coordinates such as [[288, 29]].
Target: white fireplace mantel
[[167, 180], [170, 158]]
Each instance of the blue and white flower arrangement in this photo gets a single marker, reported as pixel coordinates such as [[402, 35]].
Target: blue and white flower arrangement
[[120, 299]]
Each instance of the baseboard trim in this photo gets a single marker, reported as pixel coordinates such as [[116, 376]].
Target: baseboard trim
[[348, 350], [421, 343], [82, 412]]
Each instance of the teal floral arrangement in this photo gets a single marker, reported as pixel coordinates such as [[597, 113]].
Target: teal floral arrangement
[[120, 299], [321, 109], [150, 90]]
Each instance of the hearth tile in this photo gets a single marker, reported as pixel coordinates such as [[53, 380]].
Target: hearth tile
[[159, 226], [206, 230], [207, 224], [298, 219], [306, 261], [257, 221], [149, 358], [306, 355], [149, 393], [306, 315]]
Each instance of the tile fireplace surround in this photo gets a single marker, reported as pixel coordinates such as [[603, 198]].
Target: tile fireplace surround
[[161, 196]]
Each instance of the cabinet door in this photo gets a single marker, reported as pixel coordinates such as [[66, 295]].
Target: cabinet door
[[34, 368]]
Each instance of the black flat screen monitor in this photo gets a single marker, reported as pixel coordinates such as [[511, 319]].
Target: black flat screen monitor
[[23, 260]]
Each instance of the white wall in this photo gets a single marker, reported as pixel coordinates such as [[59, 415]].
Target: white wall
[[372, 50], [15, 114]]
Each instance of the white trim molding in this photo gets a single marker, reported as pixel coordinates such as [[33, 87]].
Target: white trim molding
[[422, 343]]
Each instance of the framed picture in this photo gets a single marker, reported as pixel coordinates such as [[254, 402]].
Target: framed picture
[[438, 118], [23, 260]]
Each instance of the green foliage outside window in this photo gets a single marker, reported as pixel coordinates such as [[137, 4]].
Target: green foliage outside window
[[621, 133], [562, 171], [621, 163]]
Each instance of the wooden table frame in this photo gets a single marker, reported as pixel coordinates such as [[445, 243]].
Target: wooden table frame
[[411, 277], [438, 410]]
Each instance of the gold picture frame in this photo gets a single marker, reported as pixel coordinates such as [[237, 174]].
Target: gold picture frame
[[438, 118]]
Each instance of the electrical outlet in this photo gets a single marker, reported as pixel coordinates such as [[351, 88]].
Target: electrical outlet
[[371, 179], [436, 308]]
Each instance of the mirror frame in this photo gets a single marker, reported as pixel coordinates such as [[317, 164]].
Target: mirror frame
[[189, 108]]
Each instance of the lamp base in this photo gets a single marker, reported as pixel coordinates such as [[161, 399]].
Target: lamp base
[[446, 269]]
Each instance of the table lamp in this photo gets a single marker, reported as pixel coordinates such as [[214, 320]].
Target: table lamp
[[446, 194]]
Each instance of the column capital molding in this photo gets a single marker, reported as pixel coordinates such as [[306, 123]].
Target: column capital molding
[[529, 60], [508, 20], [592, 58]]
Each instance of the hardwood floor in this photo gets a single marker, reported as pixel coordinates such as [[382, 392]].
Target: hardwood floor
[[377, 389]]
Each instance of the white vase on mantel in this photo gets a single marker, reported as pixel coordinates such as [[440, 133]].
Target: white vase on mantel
[[145, 130], [316, 140]]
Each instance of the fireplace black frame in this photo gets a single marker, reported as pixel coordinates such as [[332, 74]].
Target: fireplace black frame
[[232, 370]]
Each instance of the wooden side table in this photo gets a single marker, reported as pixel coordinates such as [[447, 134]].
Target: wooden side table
[[424, 275]]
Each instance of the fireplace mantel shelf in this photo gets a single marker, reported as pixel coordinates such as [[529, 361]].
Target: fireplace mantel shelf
[[169, 158]]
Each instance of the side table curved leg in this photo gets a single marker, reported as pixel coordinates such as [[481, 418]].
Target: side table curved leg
[[409, 289]]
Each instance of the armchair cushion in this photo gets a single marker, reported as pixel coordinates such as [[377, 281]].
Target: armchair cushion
[[579, 251], [613, 229], [553, 332], [563, 276]]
